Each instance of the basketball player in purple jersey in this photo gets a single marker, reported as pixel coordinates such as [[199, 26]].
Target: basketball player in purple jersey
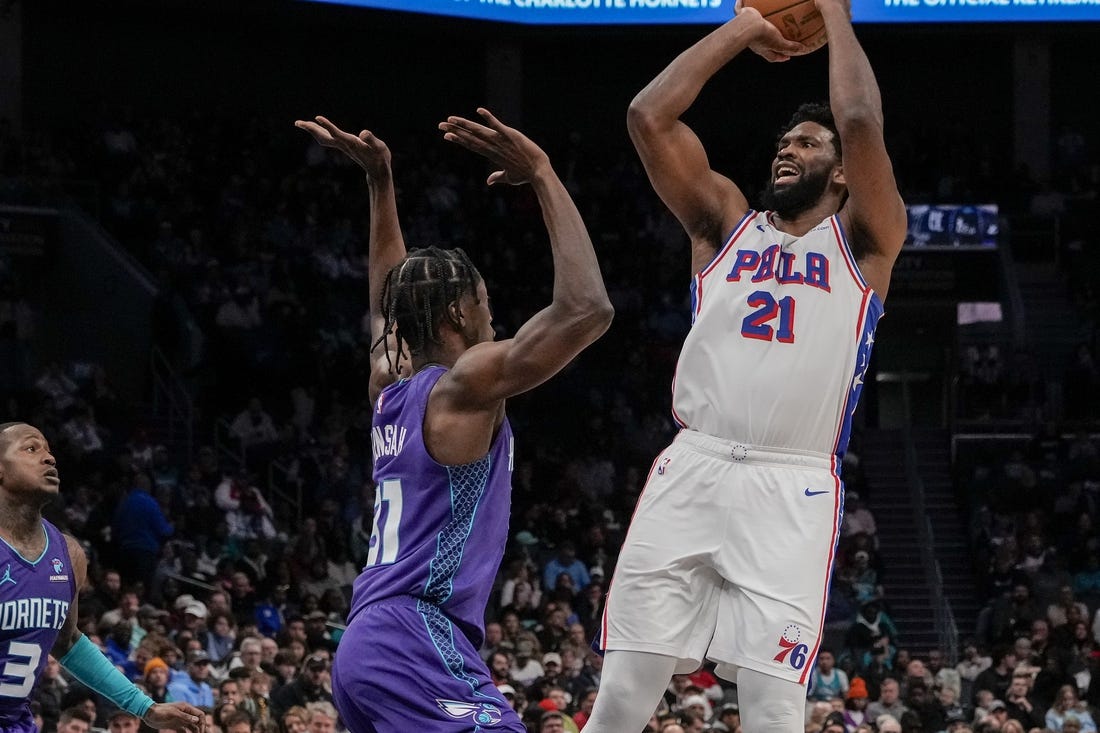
[[41, 572], [730, 550], [442, 446]]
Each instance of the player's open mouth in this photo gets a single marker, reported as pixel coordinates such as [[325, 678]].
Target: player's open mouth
[[785, 171], [52, 476]]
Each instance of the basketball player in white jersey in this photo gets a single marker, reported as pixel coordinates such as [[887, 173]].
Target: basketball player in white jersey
[[729, 553]]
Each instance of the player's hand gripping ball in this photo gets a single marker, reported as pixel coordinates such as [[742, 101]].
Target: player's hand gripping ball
[[797, 20]]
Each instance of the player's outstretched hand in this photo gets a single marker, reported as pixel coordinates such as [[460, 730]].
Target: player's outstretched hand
[[519, 159], [176, 715], [767, 41], [368, 152]]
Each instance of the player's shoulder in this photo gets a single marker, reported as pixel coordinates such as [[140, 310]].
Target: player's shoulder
[[75, 548]]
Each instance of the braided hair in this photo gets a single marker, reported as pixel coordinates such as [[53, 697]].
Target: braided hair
[[417, 292]]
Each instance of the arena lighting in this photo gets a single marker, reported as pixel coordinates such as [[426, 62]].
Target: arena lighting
[[615, 12]]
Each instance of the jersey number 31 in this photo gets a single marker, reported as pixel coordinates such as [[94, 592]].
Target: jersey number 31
[[384, 540]]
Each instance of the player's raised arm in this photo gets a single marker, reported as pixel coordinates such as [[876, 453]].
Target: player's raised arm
[[387, 245], [706, 203], [90, 666], [874, 214], [580, 311]]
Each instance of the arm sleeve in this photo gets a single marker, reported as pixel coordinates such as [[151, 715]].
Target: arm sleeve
[[94, 670]]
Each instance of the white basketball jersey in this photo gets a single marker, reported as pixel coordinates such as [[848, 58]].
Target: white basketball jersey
[[782, 329]]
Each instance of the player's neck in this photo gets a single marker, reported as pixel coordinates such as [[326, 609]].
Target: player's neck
[[444, 355], [20, 521], [799, 224]]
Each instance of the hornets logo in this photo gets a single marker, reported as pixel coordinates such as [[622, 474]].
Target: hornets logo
[[481, 713], [58, 566]]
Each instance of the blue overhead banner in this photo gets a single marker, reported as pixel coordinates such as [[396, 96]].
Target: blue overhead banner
[[711, 12]]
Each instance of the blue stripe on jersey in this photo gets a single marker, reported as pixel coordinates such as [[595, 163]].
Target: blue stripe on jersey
[[863, 359], [467, 484], [848, 252], [694, 288], [441, 631]]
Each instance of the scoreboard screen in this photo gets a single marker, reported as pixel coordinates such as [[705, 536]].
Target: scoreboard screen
[[713, 12]]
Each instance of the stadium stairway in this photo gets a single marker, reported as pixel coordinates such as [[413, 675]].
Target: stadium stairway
[[908, 595], [949, 526], [1051, 321]]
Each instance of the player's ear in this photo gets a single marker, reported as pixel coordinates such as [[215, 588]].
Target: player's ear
[[455, 315], [838, 176]]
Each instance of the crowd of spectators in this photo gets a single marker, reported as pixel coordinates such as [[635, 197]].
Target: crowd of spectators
[[205, 586]]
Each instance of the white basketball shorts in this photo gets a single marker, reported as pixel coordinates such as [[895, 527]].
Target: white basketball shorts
[[728, 558]]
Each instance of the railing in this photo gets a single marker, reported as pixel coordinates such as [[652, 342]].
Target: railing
[[172, 402], [1016, 310], [943, 618], [228, 449], [82, 193], [279, 485]]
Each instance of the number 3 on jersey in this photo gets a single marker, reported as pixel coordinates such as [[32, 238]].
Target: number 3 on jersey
[[22, 671], [384, 540], [757, 325]]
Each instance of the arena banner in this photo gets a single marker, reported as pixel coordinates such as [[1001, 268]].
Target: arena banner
[[613, 12]]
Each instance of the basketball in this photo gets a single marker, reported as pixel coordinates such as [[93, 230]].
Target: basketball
[[797, 20]]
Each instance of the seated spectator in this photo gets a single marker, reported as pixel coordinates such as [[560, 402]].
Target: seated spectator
[[855, 705], [194, 687], [75, 720], [826, 681], [1021, 706], [941, 675], [247, 514], [155, 679], [49, 692], [526, 668], [971, 665], [887, 723], [997, 677], [858, 519], [322, 717], [310, 685], [565, 561], [221, 637], [888, 702], [253, 426], [1068, 707], [872, 627], [1012, 615]]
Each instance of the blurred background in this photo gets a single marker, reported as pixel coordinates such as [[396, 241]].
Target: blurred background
[[183, 300]]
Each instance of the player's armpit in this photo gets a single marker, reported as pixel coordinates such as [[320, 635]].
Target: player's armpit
[[69, 631], [705, 202]]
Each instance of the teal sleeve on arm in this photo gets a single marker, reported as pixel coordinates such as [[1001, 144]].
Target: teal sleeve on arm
[[92, 668]]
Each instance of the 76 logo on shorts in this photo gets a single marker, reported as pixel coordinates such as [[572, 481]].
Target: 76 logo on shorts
[[790, 651]]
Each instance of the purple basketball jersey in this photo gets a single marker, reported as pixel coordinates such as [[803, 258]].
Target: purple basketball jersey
[[439, 531], [34, 603]]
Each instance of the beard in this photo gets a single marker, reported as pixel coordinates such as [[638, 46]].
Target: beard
[[800, 196]]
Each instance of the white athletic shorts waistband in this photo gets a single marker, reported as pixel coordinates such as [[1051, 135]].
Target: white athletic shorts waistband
[[738, 452]]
